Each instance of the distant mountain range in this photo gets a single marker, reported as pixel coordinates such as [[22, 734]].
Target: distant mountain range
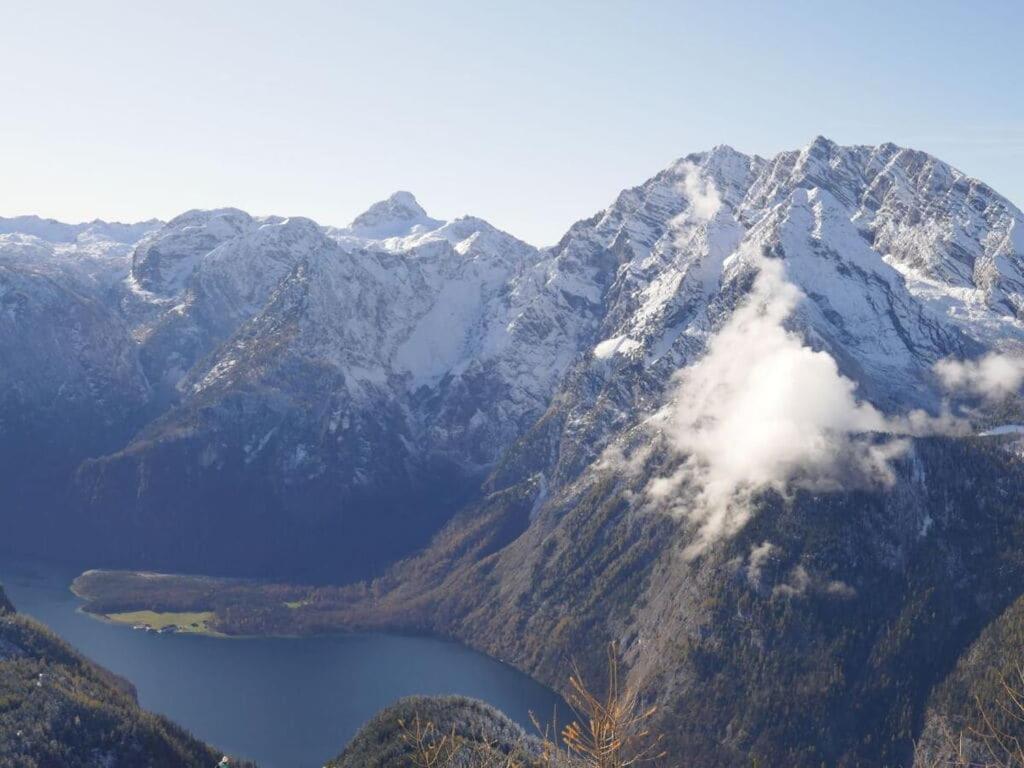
[[727, 421]]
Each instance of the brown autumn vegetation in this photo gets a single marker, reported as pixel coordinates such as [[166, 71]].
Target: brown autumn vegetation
[[995, 739], [610, 730]]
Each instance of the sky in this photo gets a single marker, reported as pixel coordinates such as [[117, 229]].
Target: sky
[[529, 114]]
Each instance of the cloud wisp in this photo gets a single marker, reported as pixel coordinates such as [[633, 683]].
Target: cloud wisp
[[991, 377]]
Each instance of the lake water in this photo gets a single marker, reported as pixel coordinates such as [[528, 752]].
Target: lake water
[[286, 703]]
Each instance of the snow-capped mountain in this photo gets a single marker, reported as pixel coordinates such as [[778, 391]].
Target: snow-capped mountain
[[861, 234], [309, 355]]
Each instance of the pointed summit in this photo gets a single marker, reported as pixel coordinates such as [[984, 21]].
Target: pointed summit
[[398, 216]]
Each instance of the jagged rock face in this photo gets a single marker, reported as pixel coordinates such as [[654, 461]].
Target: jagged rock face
[[323, 365], [675, 274], [656, 274]]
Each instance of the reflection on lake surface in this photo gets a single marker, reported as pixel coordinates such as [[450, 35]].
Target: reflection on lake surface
[[284, 702]]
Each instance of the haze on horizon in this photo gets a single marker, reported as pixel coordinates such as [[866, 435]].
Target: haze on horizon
[[529, 114]]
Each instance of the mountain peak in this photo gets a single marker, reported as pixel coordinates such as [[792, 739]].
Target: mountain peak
[[405, 200], [397, 216], [821, 143]]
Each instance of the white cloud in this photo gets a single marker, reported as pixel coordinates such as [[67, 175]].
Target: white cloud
[[618, 345], [992, 377], [701, 192], [840, 589], [759, 557], [799, 581], [762, 410]]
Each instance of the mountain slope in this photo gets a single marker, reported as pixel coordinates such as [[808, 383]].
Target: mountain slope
[[360, 381], [57, 708], [976, 700], [814, 635]]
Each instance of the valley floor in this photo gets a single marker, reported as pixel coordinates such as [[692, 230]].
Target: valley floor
[[221, 606]]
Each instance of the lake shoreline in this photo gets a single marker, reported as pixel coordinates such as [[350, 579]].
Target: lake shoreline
[[284, 700], [110, 591], [117, 587]]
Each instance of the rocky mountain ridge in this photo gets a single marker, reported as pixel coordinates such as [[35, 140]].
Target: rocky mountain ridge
[[278, 353]]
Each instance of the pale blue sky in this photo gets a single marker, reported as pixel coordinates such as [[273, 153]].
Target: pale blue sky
[[530, 114]]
